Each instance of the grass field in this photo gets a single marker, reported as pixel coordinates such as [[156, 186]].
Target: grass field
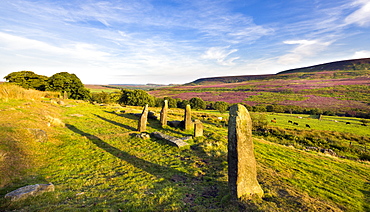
[[97, 164], [328, 123], [100, 88]]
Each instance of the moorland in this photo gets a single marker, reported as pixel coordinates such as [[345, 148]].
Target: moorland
[[338, 88], [93, 157]]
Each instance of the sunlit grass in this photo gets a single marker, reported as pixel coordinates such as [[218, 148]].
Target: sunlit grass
[[97, 164], [10, 91]]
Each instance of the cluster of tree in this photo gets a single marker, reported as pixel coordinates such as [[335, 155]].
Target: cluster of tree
[[63, 82]]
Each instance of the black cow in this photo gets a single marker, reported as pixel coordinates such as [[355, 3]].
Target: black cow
[[290, 122], [348, 122], [295, 123], [308, 126]]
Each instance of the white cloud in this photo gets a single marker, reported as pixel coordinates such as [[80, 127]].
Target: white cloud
[[305, 48], [73, 50], [220, 54], [360, 16], [361, 54]]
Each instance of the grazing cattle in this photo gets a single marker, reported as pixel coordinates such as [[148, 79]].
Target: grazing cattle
[[295, 123], [308, 126], [290, 122], [364, 124], [274, 121], [348, 122]]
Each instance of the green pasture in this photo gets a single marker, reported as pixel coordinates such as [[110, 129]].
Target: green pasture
[[327, 123], [106, 90], [97, 164]]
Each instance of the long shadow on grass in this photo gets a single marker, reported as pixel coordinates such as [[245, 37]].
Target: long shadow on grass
[[200, 191], [151, 168], [155, 124], [116, 123]]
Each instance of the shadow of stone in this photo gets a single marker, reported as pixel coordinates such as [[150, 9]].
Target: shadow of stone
[[151, 168], [366, 192], [116, 123]]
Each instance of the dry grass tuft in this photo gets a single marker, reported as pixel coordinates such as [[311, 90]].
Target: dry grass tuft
[[11, 91]]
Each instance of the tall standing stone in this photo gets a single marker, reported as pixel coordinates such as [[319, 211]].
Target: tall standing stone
[[242, 163], [188, 124], [143, 120], [163, 117]]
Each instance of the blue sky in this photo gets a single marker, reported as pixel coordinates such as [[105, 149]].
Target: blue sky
[[178, 41]]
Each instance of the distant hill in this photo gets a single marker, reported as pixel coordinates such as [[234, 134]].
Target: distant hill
[[357, 64]]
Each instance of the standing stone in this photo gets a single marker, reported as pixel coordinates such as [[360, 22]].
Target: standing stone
[[65, 95], [188, 124], [242, 163], [163, 116], [198, 129], [143, 119]]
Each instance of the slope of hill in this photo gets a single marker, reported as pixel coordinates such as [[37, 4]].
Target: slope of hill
[[96, 164], [345, 65], [357, 64]]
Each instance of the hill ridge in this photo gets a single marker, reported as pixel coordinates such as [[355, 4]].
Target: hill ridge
[[352, 64]]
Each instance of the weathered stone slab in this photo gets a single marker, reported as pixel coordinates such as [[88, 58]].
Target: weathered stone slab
[[242, 169], [30, 190], [163, 116], [176, 141], [143, 120], [188, 124], [198, 129], [39, 135]]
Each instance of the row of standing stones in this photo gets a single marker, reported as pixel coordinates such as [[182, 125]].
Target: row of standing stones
[[242, 171]]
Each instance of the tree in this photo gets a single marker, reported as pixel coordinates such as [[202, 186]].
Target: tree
[[136, 98], [197, 103], [259, 121], [315, 111], [221, 106], [259, 108], [28, 80], [183, 103], [101, 97], [69, 83], [172, 103]]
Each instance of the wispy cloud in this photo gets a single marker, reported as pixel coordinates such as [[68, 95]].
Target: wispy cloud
[[220, 54], [361, 16], [73, 50], [305, 48], [175, 40]]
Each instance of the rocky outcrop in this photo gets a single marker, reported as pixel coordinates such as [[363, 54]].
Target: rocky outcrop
[[38, 134], [30, 190]]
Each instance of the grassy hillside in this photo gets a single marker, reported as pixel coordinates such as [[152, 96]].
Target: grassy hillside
[[97, 164]]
